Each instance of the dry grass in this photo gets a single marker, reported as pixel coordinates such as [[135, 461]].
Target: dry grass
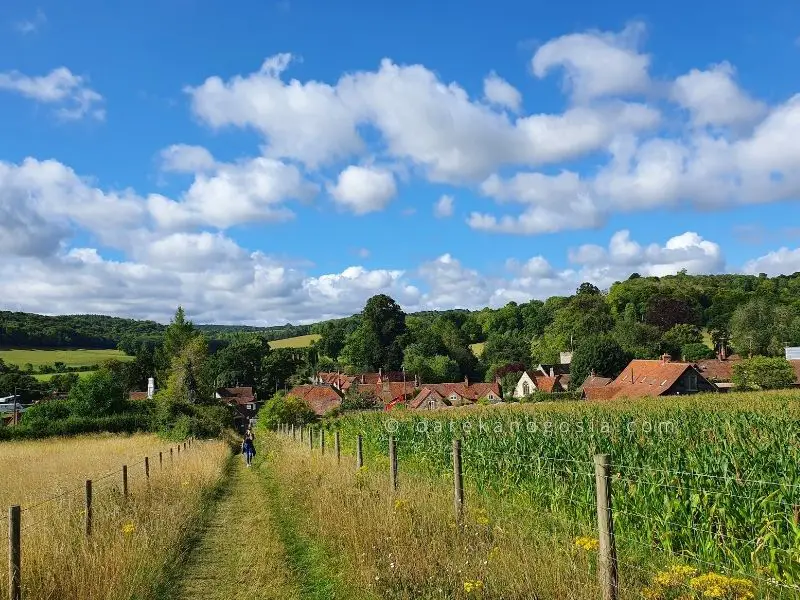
[[135, 542], [407, 544]]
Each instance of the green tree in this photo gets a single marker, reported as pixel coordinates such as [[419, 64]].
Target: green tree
[[378, 341], [695, 352], [282, 408], [599, 353], [753, 327], [178, 334], [763, 373], [242, 362], [99, 394], [189, 379]]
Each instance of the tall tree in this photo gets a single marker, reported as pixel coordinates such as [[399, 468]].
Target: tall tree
[[598, 353], [378, 341]]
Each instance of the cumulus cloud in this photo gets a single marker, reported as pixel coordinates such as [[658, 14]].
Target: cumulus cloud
[[596, 63], [68, 92], [183, 158], [420, 119], [499, 92], [444, 206], [713, 98], [232, 194], [784, 261], [364, 189]]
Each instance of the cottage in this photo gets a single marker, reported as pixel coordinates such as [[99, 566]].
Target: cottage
[[441, 395], [531, 381], [321, 398], [593, 381], [642, 378], [244, 403]]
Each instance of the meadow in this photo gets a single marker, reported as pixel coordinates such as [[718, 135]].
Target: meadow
[[71, 358], [49, 376], [710, 483], [135, 542], [300, 341]]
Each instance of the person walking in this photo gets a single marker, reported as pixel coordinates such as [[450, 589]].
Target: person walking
[[248, 447]]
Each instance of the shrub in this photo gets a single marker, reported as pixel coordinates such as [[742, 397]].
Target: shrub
[[694, 352], [97, 395], [763, 373]]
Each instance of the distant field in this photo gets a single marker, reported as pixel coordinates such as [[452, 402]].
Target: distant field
[[49, 376], [72, 358], [301, 341], [477, 349]]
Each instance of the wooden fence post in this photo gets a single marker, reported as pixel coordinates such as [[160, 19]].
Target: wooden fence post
[[147, 467], [125, 481], [337, 445], [393, 462], [294, 432], [458, 481], [160, 460], [184, 446], [359, 452], [302, 434], [607, 556], [179, 450], [14, 553], [88, 513], [170, 456], [322, 441], [310, 438]]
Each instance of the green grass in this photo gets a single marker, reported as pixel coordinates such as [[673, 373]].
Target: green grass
[[477, 349], [49, 376], [71, 358], [301, 341]]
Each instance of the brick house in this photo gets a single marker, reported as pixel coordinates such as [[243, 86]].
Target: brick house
[[244, 403], [531, 381], [643, 378], [444, 395]]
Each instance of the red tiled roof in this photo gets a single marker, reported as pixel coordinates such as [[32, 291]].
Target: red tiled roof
[[386, 392], [339, 380], [472, 392], [546, 384], [319, 398], [606, 392], [646, 378], [714, 369], [594, 382], [137, 396]]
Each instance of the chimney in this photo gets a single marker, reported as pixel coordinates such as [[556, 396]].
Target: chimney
[[552, 372], [665, 358], [151, 387], [466, 380], [416, 381], [591, 373]]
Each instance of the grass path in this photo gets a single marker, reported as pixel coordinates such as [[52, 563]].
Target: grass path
[[240, 554]]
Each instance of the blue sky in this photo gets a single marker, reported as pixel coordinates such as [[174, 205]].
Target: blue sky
[[266, 162]]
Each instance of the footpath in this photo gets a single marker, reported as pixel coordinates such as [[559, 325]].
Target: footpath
[[241, 554]]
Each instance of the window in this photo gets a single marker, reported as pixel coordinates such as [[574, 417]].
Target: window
[[249, 407], [526, 389]]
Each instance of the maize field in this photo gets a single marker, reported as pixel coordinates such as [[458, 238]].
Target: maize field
[[712, 481]]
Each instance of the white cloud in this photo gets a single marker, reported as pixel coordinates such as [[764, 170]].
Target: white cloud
[[232, 194], [420, 119], [305, 121], [364, 189], [444, 207], [499, 92], [183, 158], [686, 251], [713, 98], [60, 87], [31, 25], [779, 262], [597, 64]]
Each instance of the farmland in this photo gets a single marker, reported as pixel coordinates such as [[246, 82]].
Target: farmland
[[134, 540], [300, 341], [709, 482], [71, 358], [49, 376]]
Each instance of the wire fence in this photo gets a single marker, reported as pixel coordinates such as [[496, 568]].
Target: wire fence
[[658, 533], [111, 491]]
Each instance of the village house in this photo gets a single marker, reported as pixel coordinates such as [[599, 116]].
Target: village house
[[643, 378], [593, 381], [244, 403], [443, 395], [531, 381], [720, 370], [320, 397]]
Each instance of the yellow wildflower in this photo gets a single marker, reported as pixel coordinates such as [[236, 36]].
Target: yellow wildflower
[[481, 517], [714, 585], [494, 554], [401, 505], [587, 543], [129, 528], [473, 587]]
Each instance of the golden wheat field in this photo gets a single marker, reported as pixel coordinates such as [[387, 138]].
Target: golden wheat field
[[134, 541]]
